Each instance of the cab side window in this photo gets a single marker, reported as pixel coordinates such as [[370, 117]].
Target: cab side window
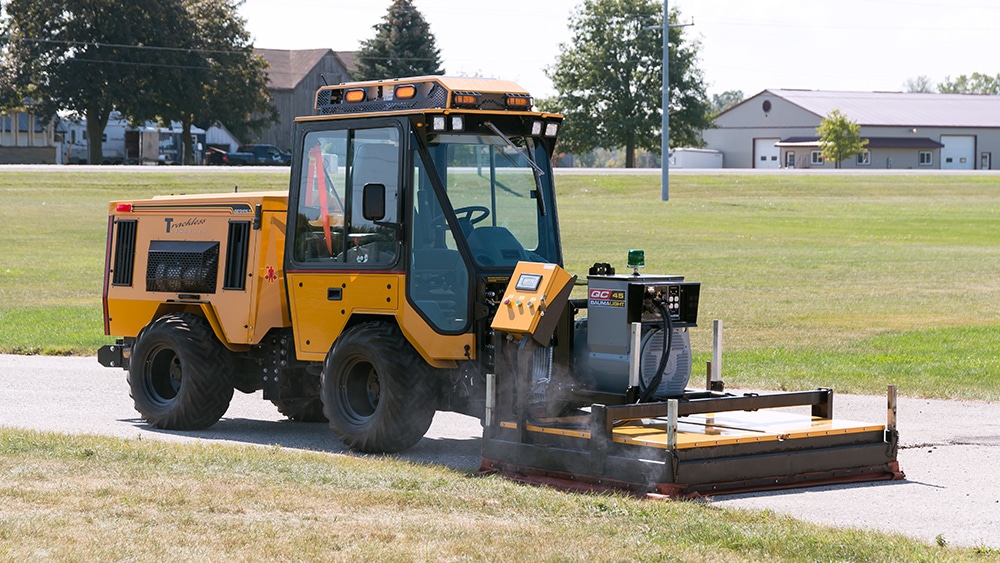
[[330, 228]]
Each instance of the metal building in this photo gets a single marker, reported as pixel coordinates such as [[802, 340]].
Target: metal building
[[777, 129]]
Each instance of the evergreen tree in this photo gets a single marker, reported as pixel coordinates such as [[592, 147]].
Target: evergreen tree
[[403, 46]]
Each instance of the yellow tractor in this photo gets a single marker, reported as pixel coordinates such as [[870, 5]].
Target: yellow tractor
[[414, 266]]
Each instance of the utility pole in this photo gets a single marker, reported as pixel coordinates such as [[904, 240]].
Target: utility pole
[[665, 126], [665, 133]]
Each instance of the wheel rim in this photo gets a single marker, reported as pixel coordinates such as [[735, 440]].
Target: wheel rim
[[360, 391], [162, 376]]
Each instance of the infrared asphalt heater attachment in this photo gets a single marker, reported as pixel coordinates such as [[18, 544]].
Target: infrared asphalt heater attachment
[[687, 447], [697, 442]]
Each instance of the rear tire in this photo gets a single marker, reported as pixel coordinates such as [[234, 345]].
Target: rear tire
[[377, 391], [180, 376]]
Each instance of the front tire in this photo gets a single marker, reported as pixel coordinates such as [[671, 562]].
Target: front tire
[[377, 391], [180, 376]]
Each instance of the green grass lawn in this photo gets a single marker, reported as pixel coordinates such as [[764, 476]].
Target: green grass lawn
[[80, 498], [53, 229], [852, 281], [846, 281]]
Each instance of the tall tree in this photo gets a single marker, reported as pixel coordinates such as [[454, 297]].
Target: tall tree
[[403, 46], [88, 56], [609, 80], [839, 137], [189, 61], [221, 78], [975, 84]]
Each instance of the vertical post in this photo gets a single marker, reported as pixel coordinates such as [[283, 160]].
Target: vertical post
[[634, 359], [491, 398], [716, 355], [890, 427], [672, 424], [824, 409], [600, 438], [665, 134]]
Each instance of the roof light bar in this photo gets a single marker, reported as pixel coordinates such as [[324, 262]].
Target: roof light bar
[[405, 92], [465, 99], [518, 101], [354, 96]]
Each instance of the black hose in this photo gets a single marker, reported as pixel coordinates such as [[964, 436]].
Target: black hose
[[668, 342]]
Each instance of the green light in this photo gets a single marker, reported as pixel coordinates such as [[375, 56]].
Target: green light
[[636, 259]]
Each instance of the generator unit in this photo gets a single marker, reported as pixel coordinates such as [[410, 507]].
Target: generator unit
[[661, 308], [620, 414]]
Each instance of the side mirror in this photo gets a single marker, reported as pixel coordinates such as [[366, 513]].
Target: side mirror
[[373, 202]]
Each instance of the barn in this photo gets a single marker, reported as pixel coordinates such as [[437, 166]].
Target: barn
[[293, 78]]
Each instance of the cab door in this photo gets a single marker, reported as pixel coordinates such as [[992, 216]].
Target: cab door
[[338, 263]]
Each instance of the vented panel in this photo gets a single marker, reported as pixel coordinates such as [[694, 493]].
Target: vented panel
[[124, 261], [235, 276], [182, 266]]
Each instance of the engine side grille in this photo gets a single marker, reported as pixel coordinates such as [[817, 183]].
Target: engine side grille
[[182, 266], [124, 261], [235, 276]]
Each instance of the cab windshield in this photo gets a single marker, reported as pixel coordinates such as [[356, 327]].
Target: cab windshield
[[495, 192]]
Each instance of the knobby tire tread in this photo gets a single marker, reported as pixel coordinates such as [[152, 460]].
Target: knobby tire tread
[[206, 388]]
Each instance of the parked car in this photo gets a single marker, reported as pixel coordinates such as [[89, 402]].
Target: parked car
[[257, 155]]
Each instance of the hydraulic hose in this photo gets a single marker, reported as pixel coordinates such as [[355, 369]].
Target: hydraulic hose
[[668, 342]]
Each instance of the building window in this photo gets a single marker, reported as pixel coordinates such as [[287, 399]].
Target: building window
[[926, 158], [816, 157], [864, 158]]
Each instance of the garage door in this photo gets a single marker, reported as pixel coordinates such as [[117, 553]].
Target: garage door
[[765, 154], [959, 152]]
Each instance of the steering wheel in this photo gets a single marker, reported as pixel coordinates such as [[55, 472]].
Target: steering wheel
[[472, 213]]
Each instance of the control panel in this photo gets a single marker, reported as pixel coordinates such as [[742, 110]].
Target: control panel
[[680, 300], [533, 301]]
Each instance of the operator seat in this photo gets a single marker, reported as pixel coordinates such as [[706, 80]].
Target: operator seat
[[496, 246]]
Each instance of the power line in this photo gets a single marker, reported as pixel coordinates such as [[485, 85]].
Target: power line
[[98, 44], [137, 63]]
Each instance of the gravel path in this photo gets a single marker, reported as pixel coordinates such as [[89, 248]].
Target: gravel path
[[950, 450]]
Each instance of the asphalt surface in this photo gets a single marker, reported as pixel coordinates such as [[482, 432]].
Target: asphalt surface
[[950, 450]]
